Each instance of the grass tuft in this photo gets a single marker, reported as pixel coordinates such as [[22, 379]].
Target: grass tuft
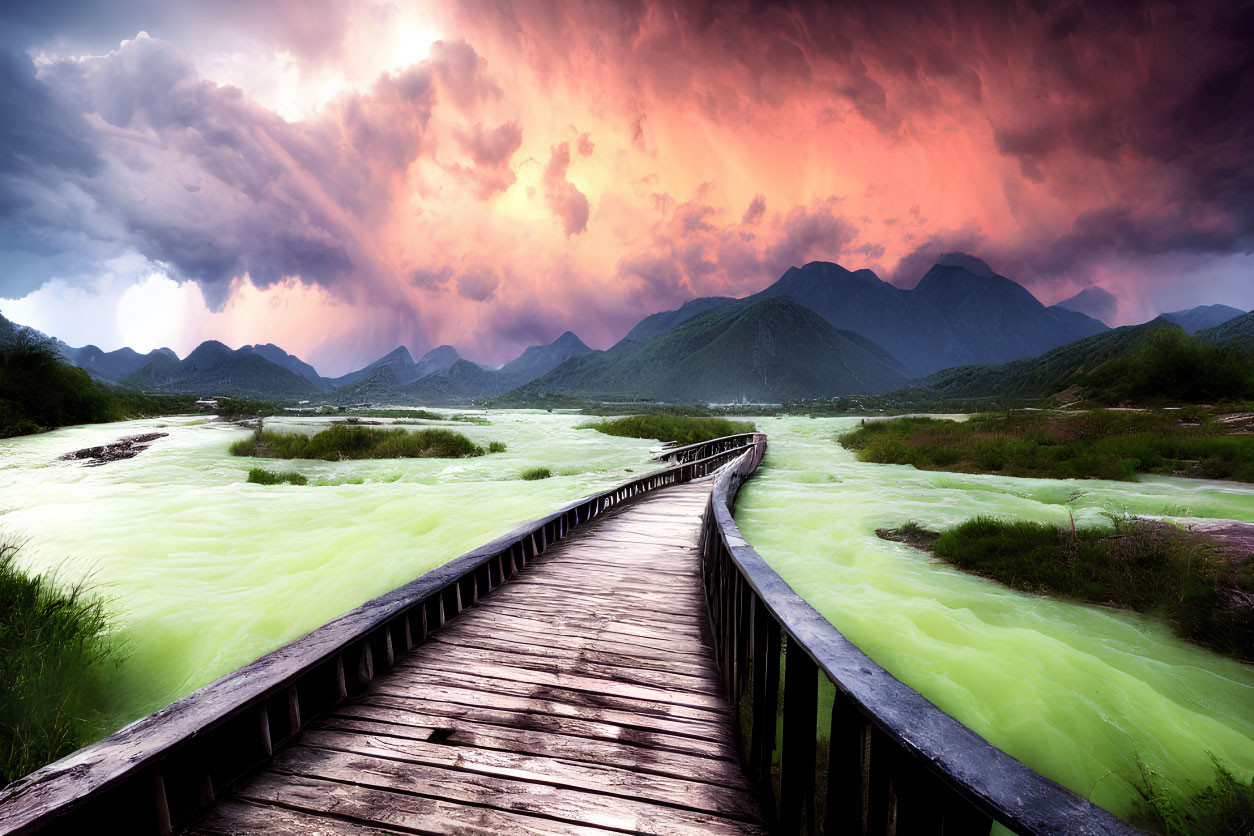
[[54, 645], [1203, 592], [261, 476], [674, 428], [533, 473], [1089, 445], [1225, 806], [355, 442]]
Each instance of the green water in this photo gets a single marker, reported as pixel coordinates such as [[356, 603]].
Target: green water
[[1075, 691], [205, 572]]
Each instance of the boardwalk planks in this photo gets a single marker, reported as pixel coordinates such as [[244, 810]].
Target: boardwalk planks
[[581, 697]]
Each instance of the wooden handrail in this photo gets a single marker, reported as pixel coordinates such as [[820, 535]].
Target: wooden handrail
[[895, 762], [703, 449], [164, 768]]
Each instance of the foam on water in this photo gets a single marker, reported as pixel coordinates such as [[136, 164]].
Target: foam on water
[[1076, 691], [206, 572]]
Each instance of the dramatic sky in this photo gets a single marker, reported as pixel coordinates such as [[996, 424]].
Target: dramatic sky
[[341, 178]]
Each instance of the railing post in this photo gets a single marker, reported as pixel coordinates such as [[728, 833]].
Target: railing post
[[796, 761], [847, 790]]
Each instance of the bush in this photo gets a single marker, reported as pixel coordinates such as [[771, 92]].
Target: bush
[[261, 476], [496, 447], [1173, 367], [533, 473], [53, 648], [1200, 591], [673, 428], [39, 391], [355, 442], [1090, 445]]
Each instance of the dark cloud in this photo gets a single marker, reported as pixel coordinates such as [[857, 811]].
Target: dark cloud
[[240, 191], [696, 252], [808, 233], [585, 144], [568, 203], [478, 283], [491, 147], [1102, 108], [757, 208], [462, 73], [915, 264], [491, 151]]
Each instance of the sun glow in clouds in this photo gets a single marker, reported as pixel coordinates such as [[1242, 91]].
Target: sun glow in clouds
[[490, 175]]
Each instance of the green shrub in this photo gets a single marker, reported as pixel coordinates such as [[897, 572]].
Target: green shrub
[[1149, 566], [39, 391], [1091, 445], [673, 428], [355, 442], [533, 473], [496, 447], [54, 646], [261, 476]]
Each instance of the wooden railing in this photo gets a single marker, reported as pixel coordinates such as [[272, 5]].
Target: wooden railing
[[161, 770], [844, 747], [703, 449]]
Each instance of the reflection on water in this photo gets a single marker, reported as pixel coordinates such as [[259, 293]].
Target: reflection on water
[[1075, 691]]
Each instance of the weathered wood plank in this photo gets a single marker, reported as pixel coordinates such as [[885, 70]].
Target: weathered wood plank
[[526, 708], [406, 813], [639, 697], [243, 818], [508, 621], [452, 753], [506, 794], [587, 661], [581, 696], [640, 624], [470, 632], [630, 748]]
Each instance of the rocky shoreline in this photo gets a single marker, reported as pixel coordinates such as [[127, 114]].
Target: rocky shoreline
[[123, 448]]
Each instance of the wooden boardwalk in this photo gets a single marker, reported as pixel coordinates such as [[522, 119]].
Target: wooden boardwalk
[[581, 697]]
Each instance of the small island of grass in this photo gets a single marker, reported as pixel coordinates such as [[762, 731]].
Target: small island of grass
[[54, 646], [355, 442], [531, 474], [672, 428], [1203, 591], [1101, 444], [261, 476]]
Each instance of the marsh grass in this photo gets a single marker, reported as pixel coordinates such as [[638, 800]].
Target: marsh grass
[[261, 476], [54, 645], [533, 473], [1090, 445], [674, 428], [1225, 806], [356, 442], [1204, 593]]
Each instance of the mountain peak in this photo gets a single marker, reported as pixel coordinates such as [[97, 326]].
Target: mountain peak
[[398, 353], [569, 339], [440, 351], [967, 262]]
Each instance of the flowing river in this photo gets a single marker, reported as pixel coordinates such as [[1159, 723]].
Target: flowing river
[[205, 572], [1078, 692]]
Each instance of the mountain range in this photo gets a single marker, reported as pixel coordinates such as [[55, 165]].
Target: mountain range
[[1203, 317], [819, 331], [761, 351]]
